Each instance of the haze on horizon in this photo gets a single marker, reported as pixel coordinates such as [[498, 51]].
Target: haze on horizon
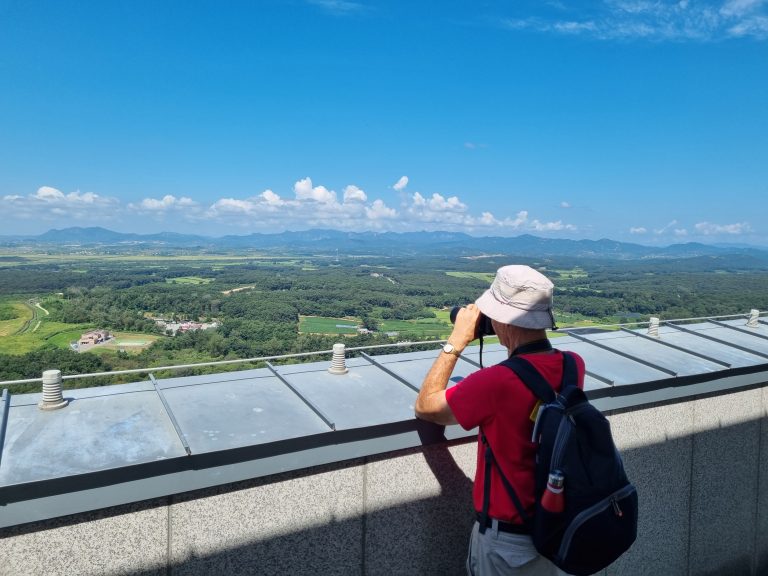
[[625, 119]]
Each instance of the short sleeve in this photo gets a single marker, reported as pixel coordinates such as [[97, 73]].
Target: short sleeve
[[472, 400]]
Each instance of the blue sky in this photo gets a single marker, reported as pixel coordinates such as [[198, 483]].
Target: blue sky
[[636, 120]]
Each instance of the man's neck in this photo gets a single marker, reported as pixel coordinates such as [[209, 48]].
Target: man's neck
[[524, 337]]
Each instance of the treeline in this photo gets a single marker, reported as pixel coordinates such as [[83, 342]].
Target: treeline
[[32, 365], [263, 319]]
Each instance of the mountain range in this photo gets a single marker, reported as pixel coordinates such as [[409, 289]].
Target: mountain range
[[386, 243]]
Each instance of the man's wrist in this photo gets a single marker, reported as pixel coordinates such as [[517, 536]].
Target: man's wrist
[[451, 349]]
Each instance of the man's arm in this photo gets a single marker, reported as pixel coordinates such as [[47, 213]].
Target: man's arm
[[431, 404]]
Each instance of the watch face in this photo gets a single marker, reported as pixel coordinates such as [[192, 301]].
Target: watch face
[[449, 349]]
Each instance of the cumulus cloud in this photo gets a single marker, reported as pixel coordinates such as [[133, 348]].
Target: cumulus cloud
[[51, 205], [565, 204], [401, 183], [354, 194], [305, 191], [167, 202], [709, 229], [638, 230], [551, 226], [658, 20], [310, 206], [272, 199], [380, 211]]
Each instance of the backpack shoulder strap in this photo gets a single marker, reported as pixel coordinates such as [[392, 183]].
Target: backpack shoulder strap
[[536, 383]]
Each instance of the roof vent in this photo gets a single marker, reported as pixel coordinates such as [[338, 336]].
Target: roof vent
[[52, 396], [653, 327], [338, 363], [754, 315]]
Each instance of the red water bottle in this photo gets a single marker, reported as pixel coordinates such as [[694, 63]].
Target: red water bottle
[[553, 499]]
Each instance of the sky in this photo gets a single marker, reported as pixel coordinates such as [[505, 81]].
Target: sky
[[637, 120]]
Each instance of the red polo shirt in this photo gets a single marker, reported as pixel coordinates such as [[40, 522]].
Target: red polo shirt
[[496, 400]]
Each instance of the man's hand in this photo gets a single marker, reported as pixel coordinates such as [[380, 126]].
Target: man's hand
[[431, 404]]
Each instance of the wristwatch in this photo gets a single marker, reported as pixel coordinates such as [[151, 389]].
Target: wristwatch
[[451, 349]]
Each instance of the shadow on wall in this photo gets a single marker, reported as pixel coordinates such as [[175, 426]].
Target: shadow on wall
[[703, 512]]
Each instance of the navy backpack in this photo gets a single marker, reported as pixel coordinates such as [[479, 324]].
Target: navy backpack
[[599, 520]]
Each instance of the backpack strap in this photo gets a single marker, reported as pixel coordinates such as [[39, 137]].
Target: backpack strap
[[489, 462], [536, 383]]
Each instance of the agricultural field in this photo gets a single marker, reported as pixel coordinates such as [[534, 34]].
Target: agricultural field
[[57, 334], [194, 280], [423, 327], [485, 276], [326, 325], [571, 273]]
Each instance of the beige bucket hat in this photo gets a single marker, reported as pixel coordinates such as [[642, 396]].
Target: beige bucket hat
[[520, 296]]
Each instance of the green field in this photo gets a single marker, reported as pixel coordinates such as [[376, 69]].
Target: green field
[[131, 342], [325, 325], [571, 273], [23, 314], [424, 327], [57, 334], [485, 276], [189, 280], [439, 327]]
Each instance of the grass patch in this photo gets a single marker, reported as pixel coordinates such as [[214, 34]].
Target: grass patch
[[21, 315], [131, 342], [57, 334]]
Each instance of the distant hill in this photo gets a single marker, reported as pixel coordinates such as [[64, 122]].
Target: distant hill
[[386, 243]]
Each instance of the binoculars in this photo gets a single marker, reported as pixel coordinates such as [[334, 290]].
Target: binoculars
[[483, 328]]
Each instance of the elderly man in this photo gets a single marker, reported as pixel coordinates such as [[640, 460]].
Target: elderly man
[[519, 304]]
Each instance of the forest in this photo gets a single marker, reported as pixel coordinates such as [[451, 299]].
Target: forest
[[259, 303]]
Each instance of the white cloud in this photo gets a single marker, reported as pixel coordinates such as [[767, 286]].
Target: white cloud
[[354, 194], [440, 204], [52, 206], [741, 7], [338, 7], [401, 183], [167, 202], [272, 199], [233, 206], [519, 220], [379, 211], [565, 204], [680, 232], [551, 226], [305, 191], [638, 230], [708, 229], [47, 193], [313, 206], [660, 20], [487, 219]]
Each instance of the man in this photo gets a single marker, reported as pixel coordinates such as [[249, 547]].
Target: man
[[519, 304]]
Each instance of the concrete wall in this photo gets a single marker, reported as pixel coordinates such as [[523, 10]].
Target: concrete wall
[[701, 468]]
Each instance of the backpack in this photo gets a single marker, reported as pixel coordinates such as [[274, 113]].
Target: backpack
[[598, 521]]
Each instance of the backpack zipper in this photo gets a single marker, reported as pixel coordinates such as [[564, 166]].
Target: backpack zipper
[[594, 510]]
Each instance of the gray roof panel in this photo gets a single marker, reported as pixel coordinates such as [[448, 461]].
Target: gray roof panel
[[227, 414], [97, 432], [681, 363]]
